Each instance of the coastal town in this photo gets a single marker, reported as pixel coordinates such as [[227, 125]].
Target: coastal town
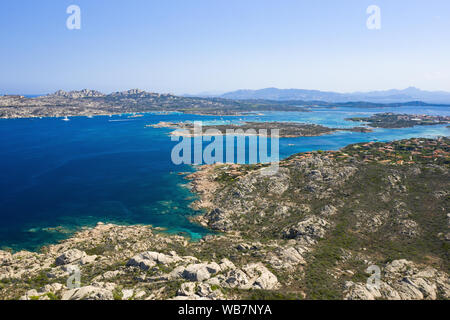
[[402, 152]]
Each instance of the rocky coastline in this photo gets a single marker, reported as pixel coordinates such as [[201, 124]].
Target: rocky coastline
[[311, 231]]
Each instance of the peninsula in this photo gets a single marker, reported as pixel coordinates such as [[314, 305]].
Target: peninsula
[[311, 231]]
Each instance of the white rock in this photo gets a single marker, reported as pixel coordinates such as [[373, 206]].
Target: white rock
[[127, 294], [409, 292], [88, 293], [357, 292], [176, 273], [226, 264], [70, 256], [54, 287], [187, 289], [88, 259], [427, 288], [402, 280], [310, 228], [398, 266], [140, 294], [196, 272], [262, 278], [213, 268], [30, 294], [147, 260], [237, 279]]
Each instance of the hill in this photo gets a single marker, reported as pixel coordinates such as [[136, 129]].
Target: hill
[[388, 96]]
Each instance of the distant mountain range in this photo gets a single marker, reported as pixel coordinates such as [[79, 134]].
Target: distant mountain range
[[388, 96]]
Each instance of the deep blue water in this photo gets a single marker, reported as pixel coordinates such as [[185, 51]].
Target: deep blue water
[[113, 169]]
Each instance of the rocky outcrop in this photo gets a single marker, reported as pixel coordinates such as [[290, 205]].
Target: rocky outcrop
[[203, 291], [70, 256], [218, 219], [309, 230], [88, 293], [200, 272], [45, 293], [287, 258], [403, 280], [147, 260], [251, 276]]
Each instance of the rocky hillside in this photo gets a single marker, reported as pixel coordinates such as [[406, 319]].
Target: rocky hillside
[[310, 231], [89, 102]]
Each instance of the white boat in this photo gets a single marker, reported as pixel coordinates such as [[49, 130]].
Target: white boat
[[66, 119]]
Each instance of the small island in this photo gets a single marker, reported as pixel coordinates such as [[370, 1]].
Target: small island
[[392, 120], [287, 129]]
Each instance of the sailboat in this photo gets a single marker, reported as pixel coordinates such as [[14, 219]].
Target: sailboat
[[66, 119]]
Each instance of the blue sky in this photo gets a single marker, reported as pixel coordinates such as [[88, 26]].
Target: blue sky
[[195, 46]]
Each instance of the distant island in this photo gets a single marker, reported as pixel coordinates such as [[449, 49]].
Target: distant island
[[387, 96], [391, 120], [287, 129], [90, 102]]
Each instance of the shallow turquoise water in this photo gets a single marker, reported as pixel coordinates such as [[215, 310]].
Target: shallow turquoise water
[[114, 169]]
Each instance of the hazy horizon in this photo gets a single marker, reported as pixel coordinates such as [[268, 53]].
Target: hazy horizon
[[211, 93]]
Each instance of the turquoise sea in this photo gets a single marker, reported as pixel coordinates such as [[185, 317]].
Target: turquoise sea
[[59, 176]]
